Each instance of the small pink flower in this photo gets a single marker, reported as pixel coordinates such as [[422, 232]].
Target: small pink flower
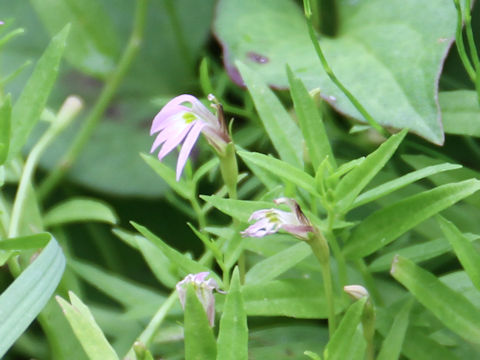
[[270, 221], [203, 289], [177, 123]]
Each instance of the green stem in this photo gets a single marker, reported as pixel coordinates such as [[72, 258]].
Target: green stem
[[332, 76], [202, 222], [319, 246], [337, 252], [460, 44], [148, 334], [471, 41], [101, 105]]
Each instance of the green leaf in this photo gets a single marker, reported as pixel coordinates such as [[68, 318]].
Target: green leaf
[[285, 135], [281, 169], [188, 265], [355, 181], [183, 188], [200, 342], [450, 307], [392, 345], [311, 122], [347, 342], [232, 341], [5, 114], [237, 209], [29, 106], [466, 252], [23, 300], [460, 112], [401, 182], [35, 241], [80, 210], [86, 329], [163, 269], [93, 45], [389, 57], [417, 253], [387, 224], [299, 298], [277, 264]]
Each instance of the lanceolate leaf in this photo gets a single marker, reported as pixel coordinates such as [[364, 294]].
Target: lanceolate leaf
[[80, 210], [450, 307], [392, 345], [284, 133], [387, 224], [33, 99], [355, 181], [233, 335], [21, 302]]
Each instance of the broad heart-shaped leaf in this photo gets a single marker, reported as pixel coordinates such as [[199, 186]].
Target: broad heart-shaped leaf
[[200, 342], [450, 307], [232, 343], [86, 329], [348, 342], [387, 224], [29, 106], [80, 210], [21, 302], [388, 54], [93, 45], [460, 112]]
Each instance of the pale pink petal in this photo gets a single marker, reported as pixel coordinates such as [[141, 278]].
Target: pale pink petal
[[164, 117], [188, 146], [174, 140], [173, 130]]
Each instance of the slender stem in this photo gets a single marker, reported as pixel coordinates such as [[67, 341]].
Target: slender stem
[[316, 14], [337, 252], [319, 246], [101, 105], [202, 222], [471, 41], [333, 77], [148, 334], [460, 44]]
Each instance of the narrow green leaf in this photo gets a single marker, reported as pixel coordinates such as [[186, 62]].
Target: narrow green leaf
[[35, 241], [281, 169], [237, 209], [298, 298], [401, 182], [209, 244], [460, 112], [33, 99], [466, 252], [387, 224], [23, 300], [355, 181], [312, 355], [233, 335], [86, 329], [181, 187], [450, 307], [347, 342], [80, 210], [311, 122], [417, 253], [277, 264], [124, 291], [392, 345], [185, 263], [285, 135], [164, 270], [200, 342], [5, 114]]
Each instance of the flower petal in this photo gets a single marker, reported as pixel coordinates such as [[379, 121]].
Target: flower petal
[[175, 139], [187, 147], [165, 117]]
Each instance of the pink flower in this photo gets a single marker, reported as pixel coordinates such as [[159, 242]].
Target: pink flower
[[270, 221], [177, 123], [203, 289]]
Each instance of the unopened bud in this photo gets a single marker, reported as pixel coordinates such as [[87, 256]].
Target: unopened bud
[[356, 291]]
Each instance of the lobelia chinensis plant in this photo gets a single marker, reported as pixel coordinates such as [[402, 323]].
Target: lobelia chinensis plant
[[330, 244]]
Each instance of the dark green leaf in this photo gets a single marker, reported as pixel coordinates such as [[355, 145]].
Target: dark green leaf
[[80, 210]]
